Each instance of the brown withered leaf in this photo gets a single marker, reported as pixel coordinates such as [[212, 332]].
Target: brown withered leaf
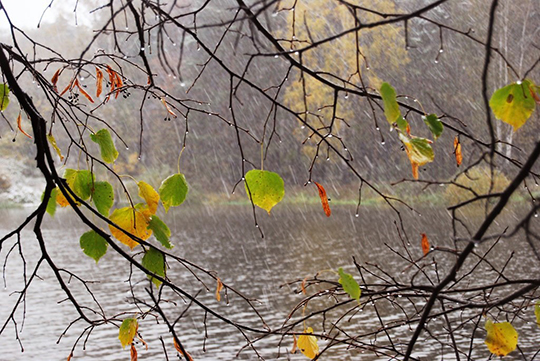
[[324, 199], [119, 83], [303, 286], [19, 120], [81, 90], [54, 80], [179, 350], [168, 107], [425, 244], [133, 353], [457, 151], [70, 356], [294, 345], [99, 82], [69, 87], [218, 289]]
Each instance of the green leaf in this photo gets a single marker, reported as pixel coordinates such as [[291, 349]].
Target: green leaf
[[434, 124], [391, 107], [128, 330], [93, 245], [501, 337], [161, 231], [514, 103], [154, 261], [402, 124], [349, 284], [173, 191], [80, 181], [103, 197], [51, 203], [265, 188], [106, 145], [537, 312], [4, 96]]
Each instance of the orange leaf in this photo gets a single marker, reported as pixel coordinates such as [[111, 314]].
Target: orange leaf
[[324, 199], [81, 90], [414, 167], [99, 82], [303, 285], [54, 79], [168, 108], [119, 84], [218, 289], [133, 353], [20, 128], [70, 356], [186, 355], [457, 151], [69, 86], [425, 244], [294, 345]]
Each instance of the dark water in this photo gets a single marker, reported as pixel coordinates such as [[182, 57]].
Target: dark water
[[299, 241]]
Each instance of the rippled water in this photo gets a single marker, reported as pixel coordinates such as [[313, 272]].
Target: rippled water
[[298, 242]]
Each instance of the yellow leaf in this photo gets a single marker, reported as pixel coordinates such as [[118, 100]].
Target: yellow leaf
[[501, 337], [51, 140], [218, 289], [514, 103], [308, 344], [128, 330], [150, 195], [537, 312], [133, 222]]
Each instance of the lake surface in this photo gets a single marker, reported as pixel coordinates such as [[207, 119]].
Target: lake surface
[[299, 241]]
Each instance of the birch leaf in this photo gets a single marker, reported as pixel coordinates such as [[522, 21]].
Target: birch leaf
[[308, 344], [173, 191], [133, 222], [537, 312], [106, 145], [4, 96], [127, 332], [514, 103], [149, 194], [324, 199], [265, 188], [349, 284], [391, 107], [93, 245], [154, 261], [501, 337], [161, 231], [103, 197], [425, 244]]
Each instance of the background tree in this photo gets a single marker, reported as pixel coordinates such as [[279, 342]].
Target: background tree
[[127, 111]]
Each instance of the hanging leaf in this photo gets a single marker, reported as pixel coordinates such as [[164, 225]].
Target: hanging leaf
[[514, 103], [169, 110], [219, 287], [434, 124], [81, 183], [99, 82], [51, 203], [349, 284], [127, 332], [93, 245], [133, 222], [82, 91], [54, 80], [161, 231], [308, 344], [173, 191], [324, 199], [106, 145], [179, 350], [19, 120], [4, 96], [391, 107], [103, 197], [154, 261], [51, 140], [133, 352], [294, 345], [149, 194], [537, 312], [418, 150], [265, 188], [425, 244], [501, 337], [457, 151]]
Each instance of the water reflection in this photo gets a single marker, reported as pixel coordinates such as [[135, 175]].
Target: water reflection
[[296, 245]]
